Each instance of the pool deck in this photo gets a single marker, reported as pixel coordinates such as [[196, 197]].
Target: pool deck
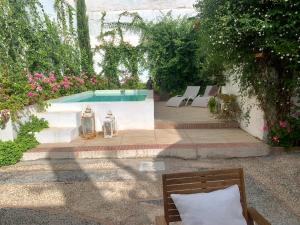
[[202, 137], [198, 139], [187, 117]]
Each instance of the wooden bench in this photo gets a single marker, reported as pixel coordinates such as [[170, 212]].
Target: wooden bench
[[197, 182]]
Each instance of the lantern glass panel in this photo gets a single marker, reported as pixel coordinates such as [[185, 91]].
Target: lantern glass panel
[[108, 129], [88, 125]]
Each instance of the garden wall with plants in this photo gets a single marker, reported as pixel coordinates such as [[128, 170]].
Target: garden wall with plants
[[261, 40], [254, 120]]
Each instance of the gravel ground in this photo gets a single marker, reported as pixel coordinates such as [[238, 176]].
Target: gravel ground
[[116, 192]]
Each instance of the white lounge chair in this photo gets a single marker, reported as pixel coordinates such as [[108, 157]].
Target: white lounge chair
[[201, 101], [189, 94]]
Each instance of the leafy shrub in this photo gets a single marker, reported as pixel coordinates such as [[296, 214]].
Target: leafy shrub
[[261, 40], [11, 151], [285, 133], [173, 55], [212, 105], [230, 109]]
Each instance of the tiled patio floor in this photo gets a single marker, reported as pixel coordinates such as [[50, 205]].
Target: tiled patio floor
[[203, 141], [184, 114], [163, 136]]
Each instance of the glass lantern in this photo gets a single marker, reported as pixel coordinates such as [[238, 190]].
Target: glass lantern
[[108, 130], [88, 123], [114, 124]]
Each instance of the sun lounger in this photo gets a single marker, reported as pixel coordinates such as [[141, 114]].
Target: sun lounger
[[189, 94], [201, 101]]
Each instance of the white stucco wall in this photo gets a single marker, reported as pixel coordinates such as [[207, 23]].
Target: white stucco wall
[[129, 115], [10, 131], [256, 115]]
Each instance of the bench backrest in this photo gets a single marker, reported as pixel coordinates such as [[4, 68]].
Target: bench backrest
[[197, 182]]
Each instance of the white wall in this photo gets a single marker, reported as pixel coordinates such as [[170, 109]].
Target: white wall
[[11, 128], [129, 115], [256, 120]]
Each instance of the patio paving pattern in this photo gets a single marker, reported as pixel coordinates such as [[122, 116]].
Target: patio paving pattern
[[187, 117], [163, 136], [181, 143]]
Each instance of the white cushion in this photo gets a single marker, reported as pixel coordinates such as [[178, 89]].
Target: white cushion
[[221, 207]]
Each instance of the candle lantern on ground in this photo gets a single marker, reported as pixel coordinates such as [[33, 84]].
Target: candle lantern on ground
[[88, 123], [108, 130], [114, 123]]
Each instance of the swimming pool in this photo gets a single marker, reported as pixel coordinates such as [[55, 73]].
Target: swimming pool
[[106, 96], [133, 109]]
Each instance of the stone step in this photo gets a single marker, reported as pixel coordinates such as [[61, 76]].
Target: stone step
[[57, 135], [159, 124], [183, 151], [61, 119]]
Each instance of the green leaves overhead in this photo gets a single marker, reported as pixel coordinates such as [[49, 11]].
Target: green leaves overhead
[[262, 40], [84, 38]]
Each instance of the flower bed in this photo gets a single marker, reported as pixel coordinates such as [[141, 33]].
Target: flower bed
[[38, 87]]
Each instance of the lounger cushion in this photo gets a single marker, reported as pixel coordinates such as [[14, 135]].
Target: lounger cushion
[[201, 101], [175, 101], [221, 207]]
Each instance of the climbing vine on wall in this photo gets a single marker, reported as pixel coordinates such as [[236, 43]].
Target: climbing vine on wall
[[120, 59], [168, 49], [261, 39], [31, 41]]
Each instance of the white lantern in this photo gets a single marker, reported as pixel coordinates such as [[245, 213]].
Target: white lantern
[[114, 123], [108, 130]]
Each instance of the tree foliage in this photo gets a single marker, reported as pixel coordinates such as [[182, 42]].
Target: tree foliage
[[261, 40], [168, 48], [30, 41], [172, 51], [84, 38]]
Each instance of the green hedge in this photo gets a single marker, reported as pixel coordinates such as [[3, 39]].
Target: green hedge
[[11, 151]]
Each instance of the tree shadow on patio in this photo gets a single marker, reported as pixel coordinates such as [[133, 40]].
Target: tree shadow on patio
[[89, 195]]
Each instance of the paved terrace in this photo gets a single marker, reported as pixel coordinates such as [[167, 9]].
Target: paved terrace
[[185, 132], [186, 117]]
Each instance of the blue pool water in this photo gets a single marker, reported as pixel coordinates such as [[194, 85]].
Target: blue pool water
[[107, 96]]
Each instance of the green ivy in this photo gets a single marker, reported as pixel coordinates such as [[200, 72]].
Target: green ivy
[[260, 40], [31, 42], [11, 151], [169, 48]]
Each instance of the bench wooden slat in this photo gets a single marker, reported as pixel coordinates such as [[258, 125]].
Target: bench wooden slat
[[184, 180]]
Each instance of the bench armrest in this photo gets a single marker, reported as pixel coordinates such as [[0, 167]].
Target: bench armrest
[[257, 217], [160, 220]]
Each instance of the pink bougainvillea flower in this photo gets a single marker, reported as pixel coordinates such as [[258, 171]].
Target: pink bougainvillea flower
[[283, 124], [55, 89], [39, 88], [265, 128], [30, 94], [46, 80], [38, 75], [30, 78], [275, 138], [33, 86], [52, 77]]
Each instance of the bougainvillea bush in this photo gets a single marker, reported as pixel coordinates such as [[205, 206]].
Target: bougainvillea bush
[[285, 133], [261, 39], [48, 86], [36, 88]]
